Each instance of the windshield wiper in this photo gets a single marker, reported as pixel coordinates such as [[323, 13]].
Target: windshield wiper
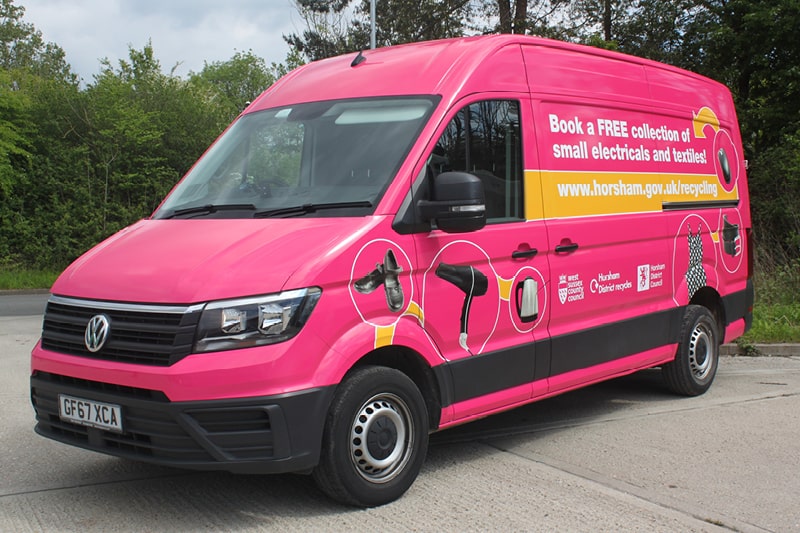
[[309, 208], [209, 209]]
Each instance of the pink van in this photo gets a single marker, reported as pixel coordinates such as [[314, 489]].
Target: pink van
[[391, 243]]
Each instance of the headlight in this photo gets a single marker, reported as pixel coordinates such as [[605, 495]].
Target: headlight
[[247, 322]]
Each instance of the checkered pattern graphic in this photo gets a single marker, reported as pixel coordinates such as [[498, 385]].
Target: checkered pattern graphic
[[695, 276]]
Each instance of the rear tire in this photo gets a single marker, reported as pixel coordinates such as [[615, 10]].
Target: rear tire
[[697, 357], [375, 438]]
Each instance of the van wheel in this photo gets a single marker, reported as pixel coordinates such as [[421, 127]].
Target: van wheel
[[697, 358], [375, 438]]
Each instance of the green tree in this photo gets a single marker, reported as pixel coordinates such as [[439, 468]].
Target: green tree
[[34, 79], [327, 29], [600, 20], [335, 27], [656, 29], [15, 157], [53, 199], [77, 164], [752, 46], [228, 86], [399, 22], [143, 130], [512, 18], [546, 18], [14, 129], [22, 46]]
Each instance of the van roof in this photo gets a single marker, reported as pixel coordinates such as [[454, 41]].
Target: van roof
[[443, 67]]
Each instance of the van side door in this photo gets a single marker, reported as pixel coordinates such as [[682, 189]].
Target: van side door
[[484, 292], [612, 309]]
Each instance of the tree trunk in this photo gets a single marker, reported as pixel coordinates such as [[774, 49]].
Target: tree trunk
[[607, 20], [504, 12], [521, 17]]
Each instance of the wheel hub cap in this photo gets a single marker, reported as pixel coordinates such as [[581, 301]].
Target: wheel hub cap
[[700, 357], [381, 438]]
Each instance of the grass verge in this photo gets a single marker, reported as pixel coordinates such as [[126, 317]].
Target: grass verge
[[774, 323], [776, 315], [19, 279]]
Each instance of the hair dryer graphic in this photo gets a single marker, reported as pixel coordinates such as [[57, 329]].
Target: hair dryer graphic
[[472, 282]]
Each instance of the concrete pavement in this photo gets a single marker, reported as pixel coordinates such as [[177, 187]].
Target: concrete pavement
[[621, 456]]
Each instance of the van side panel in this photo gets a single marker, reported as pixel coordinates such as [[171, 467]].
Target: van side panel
[[641, 217], [580, 74]]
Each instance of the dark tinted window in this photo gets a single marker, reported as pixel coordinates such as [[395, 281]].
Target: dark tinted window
[[484, 139]]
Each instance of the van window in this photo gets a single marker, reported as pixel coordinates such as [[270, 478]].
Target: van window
[[333, 158], [484, 139]]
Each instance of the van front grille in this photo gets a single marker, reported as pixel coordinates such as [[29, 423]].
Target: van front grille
[[139, 334]]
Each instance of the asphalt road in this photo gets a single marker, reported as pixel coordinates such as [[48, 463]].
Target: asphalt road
[[621, 456], [22, 303]]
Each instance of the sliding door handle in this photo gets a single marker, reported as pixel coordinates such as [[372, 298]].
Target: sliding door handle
[[566, 248], [522, 254]]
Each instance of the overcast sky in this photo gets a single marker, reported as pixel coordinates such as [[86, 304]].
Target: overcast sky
[[188, 32]]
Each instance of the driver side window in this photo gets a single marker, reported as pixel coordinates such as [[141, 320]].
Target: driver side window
[[484, 139]]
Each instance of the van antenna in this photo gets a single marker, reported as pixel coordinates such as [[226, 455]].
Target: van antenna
[[359, 59]]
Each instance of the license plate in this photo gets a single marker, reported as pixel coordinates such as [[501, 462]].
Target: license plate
[[90, 413]]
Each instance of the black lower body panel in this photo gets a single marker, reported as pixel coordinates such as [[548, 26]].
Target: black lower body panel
[[270, 434]]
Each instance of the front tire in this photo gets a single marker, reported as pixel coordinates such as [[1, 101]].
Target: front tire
[[697, 357], [375, 438]]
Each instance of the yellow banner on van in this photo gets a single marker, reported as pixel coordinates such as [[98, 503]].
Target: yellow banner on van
[[582, 194]]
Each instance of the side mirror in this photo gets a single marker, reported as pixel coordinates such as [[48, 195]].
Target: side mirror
[[458, 203]]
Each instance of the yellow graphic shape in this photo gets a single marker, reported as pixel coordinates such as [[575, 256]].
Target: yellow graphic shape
[[715, 236], [534, 210], [416, 311], [703, 118], [384, 335], [581, 194], [505, 288]]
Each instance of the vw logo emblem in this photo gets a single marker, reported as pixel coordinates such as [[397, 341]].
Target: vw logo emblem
[[97, 332]]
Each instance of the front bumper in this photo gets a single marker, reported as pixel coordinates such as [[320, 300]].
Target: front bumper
[[271, 434]]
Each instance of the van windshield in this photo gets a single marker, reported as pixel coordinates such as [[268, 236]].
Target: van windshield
[[332, 158]]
